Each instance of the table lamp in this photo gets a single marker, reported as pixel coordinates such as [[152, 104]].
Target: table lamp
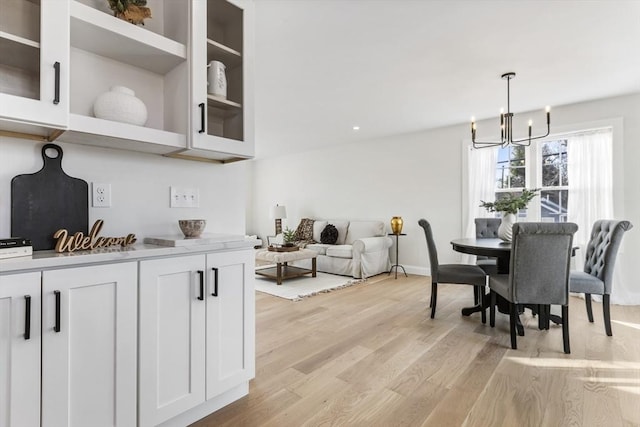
[[278, 213]]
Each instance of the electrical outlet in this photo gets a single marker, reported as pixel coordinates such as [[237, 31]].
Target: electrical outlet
[[182, 197], [101, 195]]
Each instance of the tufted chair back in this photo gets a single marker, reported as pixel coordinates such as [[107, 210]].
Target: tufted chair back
[[431, 247], [602, 249], [539, 265], [487, 227]]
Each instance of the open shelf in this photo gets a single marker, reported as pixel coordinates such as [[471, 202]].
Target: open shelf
[[107, 133], [110, 37]]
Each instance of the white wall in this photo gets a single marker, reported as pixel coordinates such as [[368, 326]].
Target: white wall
[[419, 175], [140, 187]]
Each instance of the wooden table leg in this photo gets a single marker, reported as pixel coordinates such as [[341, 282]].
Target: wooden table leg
[[313, 267], [279, 273]]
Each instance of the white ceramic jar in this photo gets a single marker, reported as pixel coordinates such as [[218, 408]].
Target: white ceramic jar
[[217, 79], [121, 105]]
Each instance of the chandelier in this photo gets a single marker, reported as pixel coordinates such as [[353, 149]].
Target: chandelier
[[506, 126]]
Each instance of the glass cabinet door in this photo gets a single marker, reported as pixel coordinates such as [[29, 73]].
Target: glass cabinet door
[[34, 63], [222, 111]]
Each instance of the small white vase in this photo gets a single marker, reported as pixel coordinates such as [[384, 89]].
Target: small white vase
[[217, 79], [121, 105], [505, 229]]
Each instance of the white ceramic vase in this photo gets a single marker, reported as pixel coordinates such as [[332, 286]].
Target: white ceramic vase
[[217, 79], [505, 229], [121, 105]]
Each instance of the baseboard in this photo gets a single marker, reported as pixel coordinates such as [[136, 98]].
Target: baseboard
[[207, 407]]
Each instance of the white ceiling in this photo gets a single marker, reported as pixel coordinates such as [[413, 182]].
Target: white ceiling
[[398, 66]]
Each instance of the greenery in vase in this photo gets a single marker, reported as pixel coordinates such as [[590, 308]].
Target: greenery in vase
[[288, 236], [510, 203]]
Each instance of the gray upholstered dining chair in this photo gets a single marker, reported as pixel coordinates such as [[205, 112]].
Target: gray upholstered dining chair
[[600, 259], [538, 272], [487, 228], [463, 274]]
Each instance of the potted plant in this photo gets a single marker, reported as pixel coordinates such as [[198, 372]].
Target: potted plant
[[288, 237], [509, 205]]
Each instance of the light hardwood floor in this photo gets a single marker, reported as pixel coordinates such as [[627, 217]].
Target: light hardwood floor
[[369, 355]]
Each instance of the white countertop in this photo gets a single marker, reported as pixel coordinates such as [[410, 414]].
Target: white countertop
[[42, 260]]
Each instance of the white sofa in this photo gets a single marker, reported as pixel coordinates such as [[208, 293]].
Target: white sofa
[[361, 251]]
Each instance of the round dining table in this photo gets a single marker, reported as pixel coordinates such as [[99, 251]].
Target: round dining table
[[485, 246]]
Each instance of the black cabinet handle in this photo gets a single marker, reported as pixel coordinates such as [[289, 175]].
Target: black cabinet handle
[[57, 325], [201, 274], [201, 105], [215, 282], [56, 95], [27, 317]]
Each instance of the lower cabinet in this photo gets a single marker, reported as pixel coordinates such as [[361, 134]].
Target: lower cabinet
[[196, 326], [20, 350], [89, 346], [230, 321], [128, 343]]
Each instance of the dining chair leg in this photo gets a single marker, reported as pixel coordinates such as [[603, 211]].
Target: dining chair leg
[[492, 309], [483, 307], [587, 301], [434, 299], [607, 314], [540, 317], [565, 329], [546, 316], [513, 313]]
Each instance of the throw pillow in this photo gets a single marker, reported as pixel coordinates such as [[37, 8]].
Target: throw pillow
[[329, 235], [304, 230]]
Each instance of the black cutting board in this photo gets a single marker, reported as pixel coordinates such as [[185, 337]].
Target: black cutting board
[[48, 200]]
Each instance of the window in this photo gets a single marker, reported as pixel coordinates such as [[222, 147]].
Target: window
[[511, 173], [549, 161], [554, 186]]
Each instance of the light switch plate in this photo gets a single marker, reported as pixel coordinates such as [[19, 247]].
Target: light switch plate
[[183, 197]]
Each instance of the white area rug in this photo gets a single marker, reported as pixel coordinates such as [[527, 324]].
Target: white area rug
[[304, 286]]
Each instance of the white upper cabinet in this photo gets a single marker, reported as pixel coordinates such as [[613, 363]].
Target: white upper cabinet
[[34, 66], [58, 56], [221, 128], [149, 59]]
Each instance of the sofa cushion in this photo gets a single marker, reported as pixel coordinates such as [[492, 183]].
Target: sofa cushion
[[320, 248], [361, 229], [329, 235], [318, 226], [340, 251], [304, 230], [342, 227]]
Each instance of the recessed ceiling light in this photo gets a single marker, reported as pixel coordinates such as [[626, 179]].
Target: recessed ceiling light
[[356, 128]]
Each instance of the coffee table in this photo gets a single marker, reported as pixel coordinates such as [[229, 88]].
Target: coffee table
[[282, 270]]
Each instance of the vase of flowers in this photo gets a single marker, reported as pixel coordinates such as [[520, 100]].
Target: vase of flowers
[[508, 206]]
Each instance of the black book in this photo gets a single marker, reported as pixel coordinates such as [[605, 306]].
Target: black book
[[14, 242]]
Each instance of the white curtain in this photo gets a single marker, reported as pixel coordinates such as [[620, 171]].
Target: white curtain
[[590, 173], [481, 186]]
